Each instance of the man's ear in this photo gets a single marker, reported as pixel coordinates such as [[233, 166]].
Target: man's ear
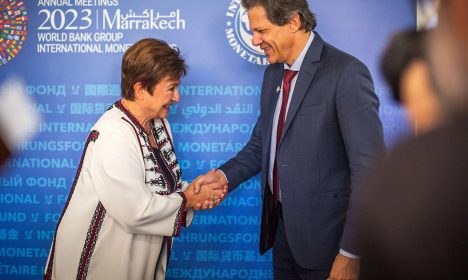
[[294, 23], [139, 91]]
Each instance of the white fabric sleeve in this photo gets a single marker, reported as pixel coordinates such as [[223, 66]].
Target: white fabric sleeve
[[190, 212], [117, 172]]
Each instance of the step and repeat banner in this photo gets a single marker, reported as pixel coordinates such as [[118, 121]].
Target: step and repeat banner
[[68, 53]]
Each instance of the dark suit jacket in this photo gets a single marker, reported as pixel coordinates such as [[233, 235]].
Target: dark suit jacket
[[331, 138], [413, 223]]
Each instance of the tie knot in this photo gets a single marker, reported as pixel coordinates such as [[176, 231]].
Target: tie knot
[[289, 75]]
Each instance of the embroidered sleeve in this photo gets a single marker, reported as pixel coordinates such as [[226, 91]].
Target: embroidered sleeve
[[118, 176]]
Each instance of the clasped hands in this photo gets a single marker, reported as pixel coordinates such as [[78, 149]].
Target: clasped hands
[[206, 191]]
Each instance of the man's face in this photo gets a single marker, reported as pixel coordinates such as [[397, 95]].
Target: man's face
[[274, 40]]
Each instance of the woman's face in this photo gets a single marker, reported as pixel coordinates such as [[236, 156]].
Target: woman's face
[[165, 93]]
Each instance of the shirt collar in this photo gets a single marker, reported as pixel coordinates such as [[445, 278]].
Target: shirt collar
[[298, 62]]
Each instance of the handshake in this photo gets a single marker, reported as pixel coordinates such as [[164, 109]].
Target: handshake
[[206, 191]]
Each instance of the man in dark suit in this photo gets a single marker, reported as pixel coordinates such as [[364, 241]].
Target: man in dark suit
[[317, 136]]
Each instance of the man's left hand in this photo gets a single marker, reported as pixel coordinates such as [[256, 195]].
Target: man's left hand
[[345, 268]]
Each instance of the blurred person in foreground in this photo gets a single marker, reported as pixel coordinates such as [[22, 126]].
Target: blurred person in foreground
[[4, 150], [406, 68], [18, 119], [412, 222], [317, 137], [128, 199]]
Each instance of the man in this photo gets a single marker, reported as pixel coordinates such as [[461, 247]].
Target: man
[[313, 147]]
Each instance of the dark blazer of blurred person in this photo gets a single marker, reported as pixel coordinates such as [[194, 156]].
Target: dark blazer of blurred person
[[411, 218]]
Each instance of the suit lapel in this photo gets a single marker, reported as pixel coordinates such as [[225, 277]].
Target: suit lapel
[[277, 77], [306, 74]]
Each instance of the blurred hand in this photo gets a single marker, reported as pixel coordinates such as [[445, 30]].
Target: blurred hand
[[345, 268], [214, 180]]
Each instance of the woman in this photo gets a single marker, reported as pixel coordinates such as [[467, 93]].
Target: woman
[[128, 199]]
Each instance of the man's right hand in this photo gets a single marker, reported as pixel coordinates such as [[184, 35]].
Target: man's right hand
[[214, 180], [204, 198]]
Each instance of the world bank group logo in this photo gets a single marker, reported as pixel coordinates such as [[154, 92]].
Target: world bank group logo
[[239, 35], [13, 29]]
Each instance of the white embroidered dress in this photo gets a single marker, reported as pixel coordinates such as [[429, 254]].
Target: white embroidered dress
[[124, 204]]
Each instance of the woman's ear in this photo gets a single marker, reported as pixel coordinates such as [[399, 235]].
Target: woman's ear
[[139, 91]]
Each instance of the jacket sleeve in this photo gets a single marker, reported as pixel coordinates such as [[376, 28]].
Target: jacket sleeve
[[361, 129], [248, 162]]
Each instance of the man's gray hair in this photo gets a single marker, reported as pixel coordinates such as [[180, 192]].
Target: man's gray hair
[[280, 12]]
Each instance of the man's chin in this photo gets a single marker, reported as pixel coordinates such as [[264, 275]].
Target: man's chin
[[272, 60]]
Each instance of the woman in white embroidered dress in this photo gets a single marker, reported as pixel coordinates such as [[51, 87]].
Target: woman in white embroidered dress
[[128, 198]]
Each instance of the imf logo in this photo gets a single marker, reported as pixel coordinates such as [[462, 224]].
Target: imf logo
[[13, 29], [239, 36]]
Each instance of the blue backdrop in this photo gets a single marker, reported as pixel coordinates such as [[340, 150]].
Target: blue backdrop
[[70, 62]]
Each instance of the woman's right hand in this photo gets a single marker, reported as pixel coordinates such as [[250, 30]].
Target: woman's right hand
[[206, 198]]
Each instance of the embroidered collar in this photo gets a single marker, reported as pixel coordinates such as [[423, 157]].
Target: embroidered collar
[[163, 144]]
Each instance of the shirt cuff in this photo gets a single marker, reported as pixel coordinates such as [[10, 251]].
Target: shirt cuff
[[187, 215], [181, 215], [349, 255], [224, 174]]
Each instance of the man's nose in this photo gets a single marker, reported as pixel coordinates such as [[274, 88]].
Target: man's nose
[[256, 40]]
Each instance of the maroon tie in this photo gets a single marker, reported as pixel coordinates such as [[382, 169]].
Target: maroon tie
[[287, 78]]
